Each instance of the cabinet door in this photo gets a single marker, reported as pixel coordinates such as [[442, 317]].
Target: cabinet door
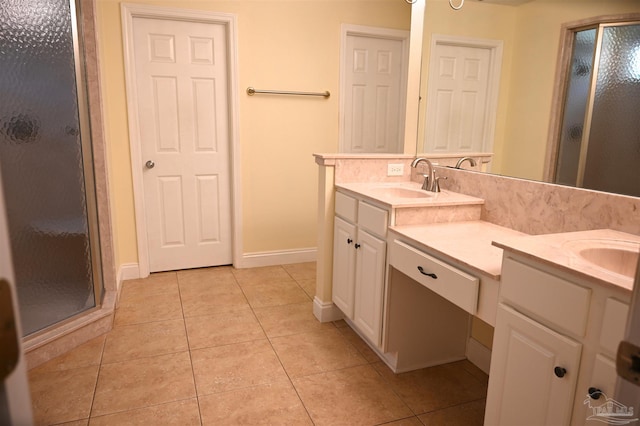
[[525, 385], [344, 260], [370, 267]]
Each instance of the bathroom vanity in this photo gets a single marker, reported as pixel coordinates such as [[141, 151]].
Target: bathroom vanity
[[560, 319], [391, 276], [410, 271]]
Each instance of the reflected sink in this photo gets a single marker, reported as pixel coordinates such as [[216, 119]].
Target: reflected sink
[[614, 256], [400, 192]]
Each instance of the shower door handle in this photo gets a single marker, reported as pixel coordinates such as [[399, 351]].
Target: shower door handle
[[150, 164]]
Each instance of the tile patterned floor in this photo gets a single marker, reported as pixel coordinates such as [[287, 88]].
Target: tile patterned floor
[[221, 346]]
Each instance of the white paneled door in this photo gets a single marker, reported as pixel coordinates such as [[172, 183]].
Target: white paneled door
[[374, 86], [457, 99], [183, 120]]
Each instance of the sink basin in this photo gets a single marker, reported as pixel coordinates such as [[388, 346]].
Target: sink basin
[[400, 192], [613, 256]]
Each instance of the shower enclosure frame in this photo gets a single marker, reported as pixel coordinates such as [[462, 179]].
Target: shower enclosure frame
[[567, 33], [62, 336], [87, 157]]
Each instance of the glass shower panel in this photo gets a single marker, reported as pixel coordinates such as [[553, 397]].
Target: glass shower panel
[[41, 155], [575, 107], [613, 159]]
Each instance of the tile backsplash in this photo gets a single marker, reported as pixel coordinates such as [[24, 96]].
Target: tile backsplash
[[543, 208]]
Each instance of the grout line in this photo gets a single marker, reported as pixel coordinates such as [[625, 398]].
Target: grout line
[[278, 357], [159, 404], [186, 334], [95, 387]]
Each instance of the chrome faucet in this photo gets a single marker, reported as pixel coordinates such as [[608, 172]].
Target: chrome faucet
[[463, 159], [429, 183]]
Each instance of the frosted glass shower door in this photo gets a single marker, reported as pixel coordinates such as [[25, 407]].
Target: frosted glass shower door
[[613, 159], [599, 142], [44, 148]]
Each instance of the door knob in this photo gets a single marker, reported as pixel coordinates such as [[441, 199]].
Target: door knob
[[150, 164]]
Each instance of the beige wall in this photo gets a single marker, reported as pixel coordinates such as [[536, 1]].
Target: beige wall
[[530, 33], [533, 74], [287, 45]]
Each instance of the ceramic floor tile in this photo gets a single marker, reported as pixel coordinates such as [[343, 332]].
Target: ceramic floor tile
[[309, 287], [143, 382], [85, 355], [316, 352], [211, 276], [411, 421], [241, 365], [362, 347], [275, 294], [143, 340], [203, 298], [301, 271], [177, 413], [434, 388], [354, 396], [469, 414], [289, 319], [263, 275], [62, 396], [153, 307], [340, 323], [223, 328], [236, 372], [83, 422], [156, 283], [475, 371], [270, 404]]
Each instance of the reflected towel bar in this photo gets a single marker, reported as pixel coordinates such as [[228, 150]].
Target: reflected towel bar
[[251, 91]]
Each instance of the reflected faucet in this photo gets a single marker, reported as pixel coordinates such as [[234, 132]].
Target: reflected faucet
[[463, 159], [429, 183]]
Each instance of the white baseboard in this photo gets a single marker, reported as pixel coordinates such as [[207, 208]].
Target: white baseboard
[[326, 311], [280, 257], [126, 271], [479, 355]]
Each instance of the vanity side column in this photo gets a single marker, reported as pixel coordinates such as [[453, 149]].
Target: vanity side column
[[323, 307]]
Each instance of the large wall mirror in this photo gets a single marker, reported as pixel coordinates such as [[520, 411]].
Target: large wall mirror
[[514, 46]]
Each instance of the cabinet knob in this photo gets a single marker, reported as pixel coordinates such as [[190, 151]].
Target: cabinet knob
[[560, 371], [594, 393], [357, 246], [349, 240]]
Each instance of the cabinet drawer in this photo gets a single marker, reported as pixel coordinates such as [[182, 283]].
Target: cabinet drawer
[[564, 304], [452, 284], [614, 322], [346, 206], [373, 219]]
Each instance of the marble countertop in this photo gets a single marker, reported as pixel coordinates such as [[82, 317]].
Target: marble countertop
[[465, 243], [372, 190], [479, 245], [555, 250]]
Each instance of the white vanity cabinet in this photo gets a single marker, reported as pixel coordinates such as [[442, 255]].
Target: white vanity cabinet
[[359, 254], [554, 342], [533, 373]]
